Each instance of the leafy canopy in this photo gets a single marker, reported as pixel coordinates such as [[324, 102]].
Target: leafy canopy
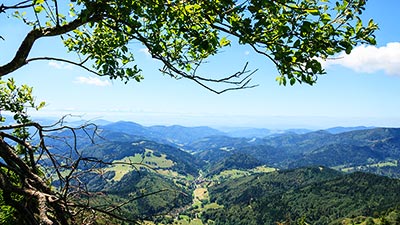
[[294, 35]]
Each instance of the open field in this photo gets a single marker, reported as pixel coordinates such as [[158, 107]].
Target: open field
[[130, 163], [200, 194], [235, 173], [263, 169], [393, 163]]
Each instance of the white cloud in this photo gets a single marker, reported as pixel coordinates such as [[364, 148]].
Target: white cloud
[[145, 51], [60, 65], [370, 59], [92, 81]]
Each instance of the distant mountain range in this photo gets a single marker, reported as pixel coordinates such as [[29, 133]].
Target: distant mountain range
[[356, 148], [337, 130], [200, 131]]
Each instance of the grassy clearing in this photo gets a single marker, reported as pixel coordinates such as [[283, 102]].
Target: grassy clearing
[[361, 220], [156, 161], [168, 173], [159, 163], [147, 223], [263, 169], [120, 171], [184, 217], [196, 204], [384, 164], [183, 220], [201, 194], [376, 165], [213, 205], [196, 222], [235, 173], [187, 221], [231, 174]]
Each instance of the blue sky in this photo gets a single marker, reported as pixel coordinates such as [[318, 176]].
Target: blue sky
[[360, 89]]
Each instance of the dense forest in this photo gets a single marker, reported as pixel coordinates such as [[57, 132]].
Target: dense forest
[[315, 195]]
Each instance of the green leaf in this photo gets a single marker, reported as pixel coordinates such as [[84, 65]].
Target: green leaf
[[325, 18], [372, 40], [38, 8], [330, 51], [224, 42], [138, 78], [358, 25], [349, 48], [292, 81], [281, 80], [41, 105], [72, 13], [11, 84], [314, 12]]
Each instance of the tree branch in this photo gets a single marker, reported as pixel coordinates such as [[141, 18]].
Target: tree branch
[[24, 49], [20, 5], [80, 64]]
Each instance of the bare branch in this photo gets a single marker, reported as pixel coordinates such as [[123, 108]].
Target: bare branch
[[242, 83], [21, 5], [80, 64]]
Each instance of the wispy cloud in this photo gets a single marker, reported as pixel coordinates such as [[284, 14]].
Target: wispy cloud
[[60, 65], [92, 81], [370, 59]]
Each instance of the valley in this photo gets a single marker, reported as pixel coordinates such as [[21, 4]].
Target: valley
[[199, 176]]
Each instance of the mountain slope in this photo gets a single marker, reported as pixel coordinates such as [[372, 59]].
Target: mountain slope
[[140, 194], [234, 161], [358, 149], [319, 195], [182, 162], [339, 154]]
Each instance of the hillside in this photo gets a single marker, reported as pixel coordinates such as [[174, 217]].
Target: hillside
[[374, 150], [318, 195], [151, 193], [234, 161], [142, 151]]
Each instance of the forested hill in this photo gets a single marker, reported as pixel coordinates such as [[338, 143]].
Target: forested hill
[[374, 150], [316, 195]]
